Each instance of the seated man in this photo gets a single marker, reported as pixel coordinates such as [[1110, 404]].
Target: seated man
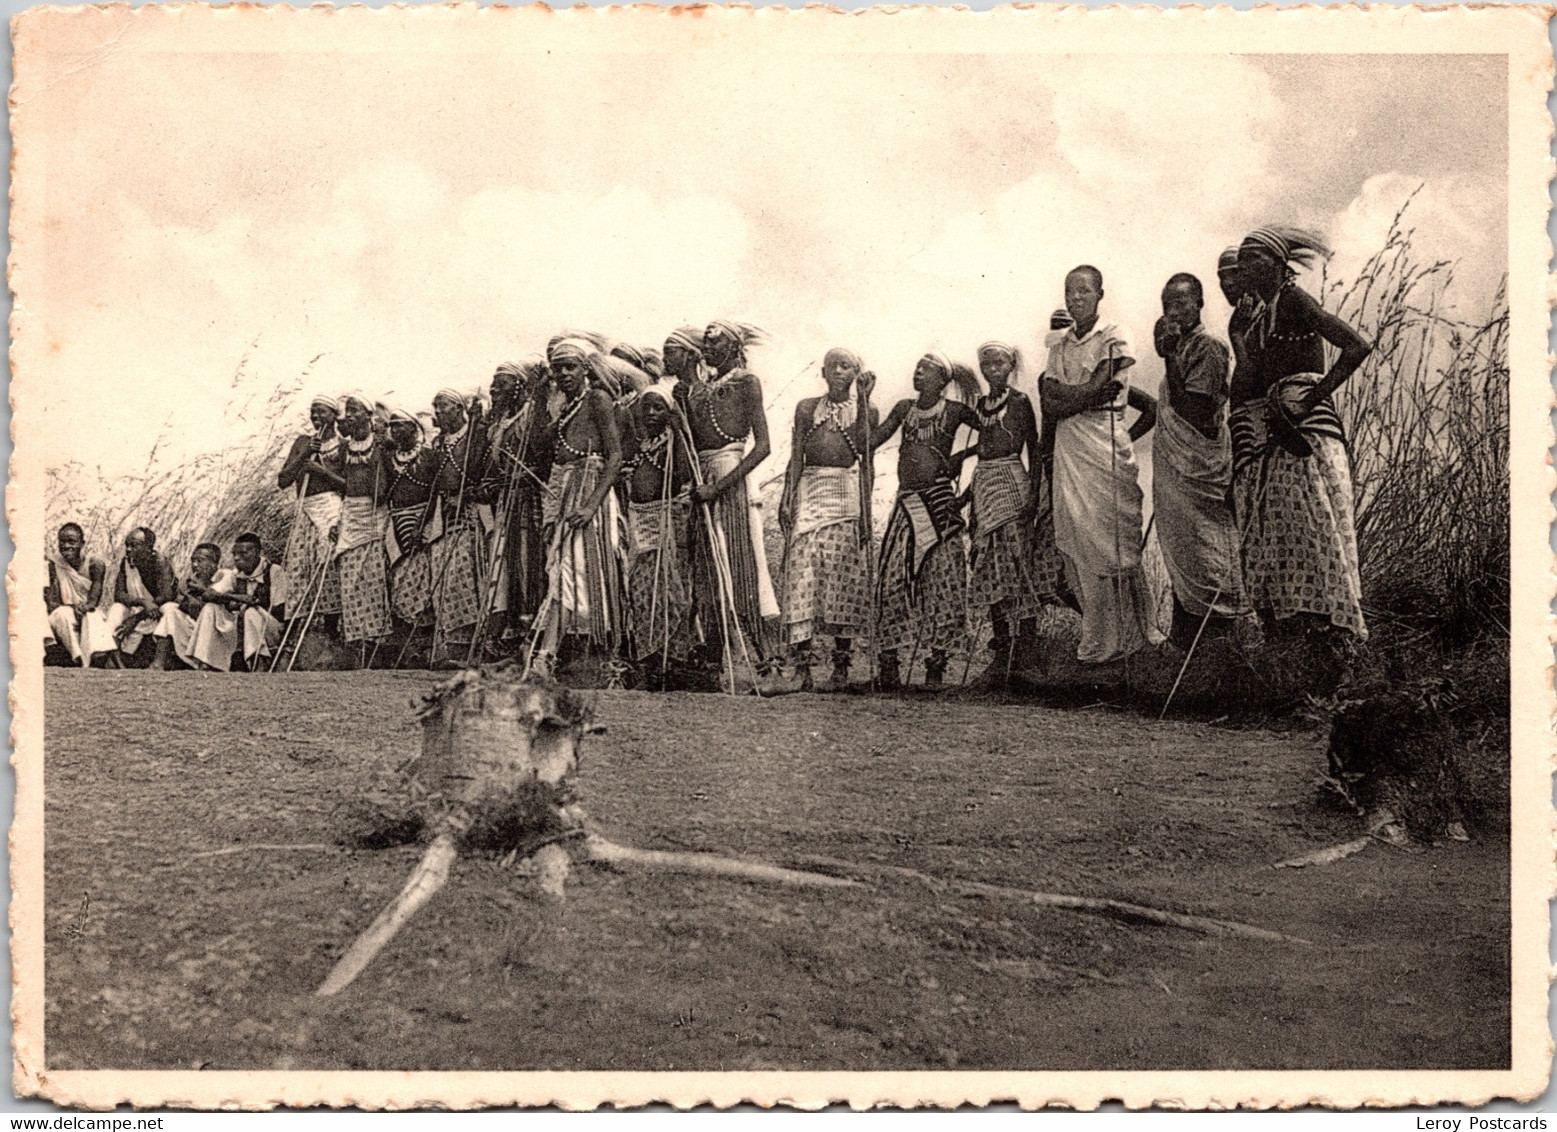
[[196, 627], [253, 601], [74, 598], [143, 584]]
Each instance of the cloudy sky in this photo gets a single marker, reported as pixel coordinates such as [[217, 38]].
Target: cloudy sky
[[416, 216]]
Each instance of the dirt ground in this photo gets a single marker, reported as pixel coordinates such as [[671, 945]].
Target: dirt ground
[[159, 956]]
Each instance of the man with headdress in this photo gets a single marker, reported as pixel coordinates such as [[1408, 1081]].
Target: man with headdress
[[458, 554], [826, 586], [683, 359], [1096, 489], [74, 597], [194, 626], [657, 472], [579, 513], [513, 479], [314, 467], [359, 541], [411, 468], [1292, 486], [723, 412], [1016, 569], [143, 584], [922, 582], [1192, 467]]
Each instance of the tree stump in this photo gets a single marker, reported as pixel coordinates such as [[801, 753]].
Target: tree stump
[[498, 768]]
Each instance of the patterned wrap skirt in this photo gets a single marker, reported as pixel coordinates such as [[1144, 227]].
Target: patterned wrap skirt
[[1014, 564], [1296, 515], [922, 589], [308, 548], [826, 593]]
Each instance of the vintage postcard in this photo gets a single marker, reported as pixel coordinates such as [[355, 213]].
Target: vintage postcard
[[913, 556]]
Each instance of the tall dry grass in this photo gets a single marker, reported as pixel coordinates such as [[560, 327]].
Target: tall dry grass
[[1427, 419], [212, 496]]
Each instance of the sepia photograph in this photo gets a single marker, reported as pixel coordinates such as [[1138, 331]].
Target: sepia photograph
[[713, 554]]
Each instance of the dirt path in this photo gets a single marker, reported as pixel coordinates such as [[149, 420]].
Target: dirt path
[[158, 958]]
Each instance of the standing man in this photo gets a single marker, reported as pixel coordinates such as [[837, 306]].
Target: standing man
[[74, 597], [723, 413], [411, 469], [579, 513], [683, 359], [658, 475], [1097, 492], [1292, 480], [457, 557], [826, 592], [143, 584], [359, 539], [519, 454], [1016, 568], [314, 467], [1192, 466], [922, 583]]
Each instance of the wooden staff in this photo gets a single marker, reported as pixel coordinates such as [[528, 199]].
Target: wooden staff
[[1243, 535], [459, 514], [297, 514], [500, 539], [868, 526], [724, 582]]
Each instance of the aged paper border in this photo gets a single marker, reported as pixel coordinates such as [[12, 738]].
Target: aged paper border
[[1518, 31]]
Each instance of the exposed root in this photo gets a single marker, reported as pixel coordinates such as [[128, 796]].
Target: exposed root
[[1116, 909], [312, 847], [1326, 856], [708, 864], [429, 876]]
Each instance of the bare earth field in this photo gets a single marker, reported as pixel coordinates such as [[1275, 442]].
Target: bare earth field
[[158, 956]]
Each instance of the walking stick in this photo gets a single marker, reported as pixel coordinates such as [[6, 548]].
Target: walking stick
[[459, 516], [868, 528], [1113, 477], [500, 540], [297, 514], [1243, 536], [312, 609], [724, 583]]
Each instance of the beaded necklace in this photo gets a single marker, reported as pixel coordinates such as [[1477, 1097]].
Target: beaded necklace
[[651, 452], [564, 419], [404, 462], [705, 397], [991, 411], [841, 415], [923, 426], [359, 452]]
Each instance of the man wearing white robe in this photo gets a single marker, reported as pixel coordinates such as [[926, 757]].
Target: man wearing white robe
[[143, 583], [74, 598], [197, 627], [1097, 491]]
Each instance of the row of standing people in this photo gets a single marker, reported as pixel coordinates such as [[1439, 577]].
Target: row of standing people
[[604, 499]]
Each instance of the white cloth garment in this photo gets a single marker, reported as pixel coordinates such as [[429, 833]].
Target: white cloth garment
[[118, 614], [1098, 503], [91, 635], [209, 638]]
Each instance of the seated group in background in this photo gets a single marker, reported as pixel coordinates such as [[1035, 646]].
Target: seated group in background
[[216, 619]]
